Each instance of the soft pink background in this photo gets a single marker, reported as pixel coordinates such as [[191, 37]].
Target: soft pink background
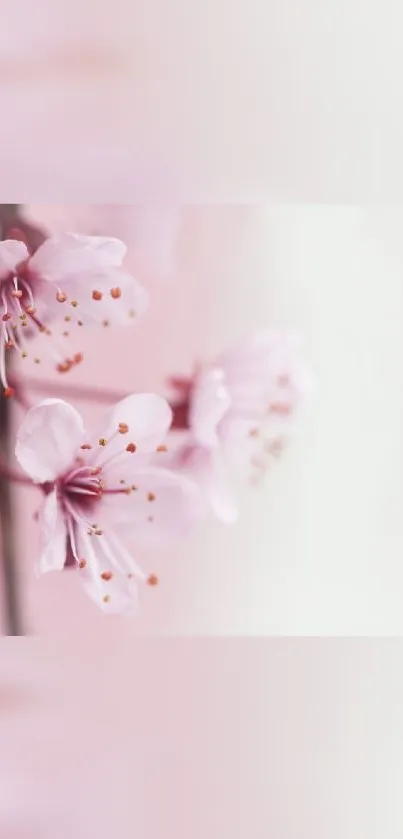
[[212, 101], [189, 739]]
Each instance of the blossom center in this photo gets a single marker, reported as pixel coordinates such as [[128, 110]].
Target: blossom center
[[79, 491], [19, 319]]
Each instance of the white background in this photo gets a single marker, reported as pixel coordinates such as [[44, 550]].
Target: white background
[[320, 551]]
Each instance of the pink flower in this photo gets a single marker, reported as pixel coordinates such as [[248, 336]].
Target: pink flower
[[70, 280], [238, 413], [103, 486]]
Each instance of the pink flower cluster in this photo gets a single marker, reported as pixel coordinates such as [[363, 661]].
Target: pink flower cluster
[[151, 470]]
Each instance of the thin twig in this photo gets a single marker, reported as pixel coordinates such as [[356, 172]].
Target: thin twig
[[10, 219], [66, 390]]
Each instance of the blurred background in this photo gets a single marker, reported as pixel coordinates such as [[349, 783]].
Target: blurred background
[[213, 101], [170, 104], [317, 550], [289, 738]]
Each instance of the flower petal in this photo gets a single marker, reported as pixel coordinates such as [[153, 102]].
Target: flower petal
[[258, 353], [87, 270], [61, 257], [147, 418], [122, 310], [209, 471], [54, 533], [48, 439], [209, 404], [108, 249], [12, 252], [114, 589], [163, 506]]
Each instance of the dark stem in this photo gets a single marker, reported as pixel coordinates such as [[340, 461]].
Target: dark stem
[[13, 616], [10, 221], [66, 390]]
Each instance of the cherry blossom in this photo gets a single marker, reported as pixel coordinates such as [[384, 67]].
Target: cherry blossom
[[105, 488], [70, 280], [238, 413]]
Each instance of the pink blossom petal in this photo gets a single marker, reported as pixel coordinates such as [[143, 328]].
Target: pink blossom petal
[[122, 597], [209, 470], [163, 506], [87, 270], [69, 254], [48, 439], [109, 250], [114, 589], [12, 252], [107, 310], [54, 534], [261, 351], [210, 402], [147, 418]]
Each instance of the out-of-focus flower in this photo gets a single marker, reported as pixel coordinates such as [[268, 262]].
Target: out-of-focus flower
[[238, 413], [102, 486], [69, 280]]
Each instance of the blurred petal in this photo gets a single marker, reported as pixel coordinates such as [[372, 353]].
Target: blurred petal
[[48, 439], [210, 401], [209, 471]]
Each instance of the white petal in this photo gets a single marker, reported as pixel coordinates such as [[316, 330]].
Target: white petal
[[120, 593], [66, 256], [148, 418], [53, 532], [108, 249], [164, 506], [48, 439]]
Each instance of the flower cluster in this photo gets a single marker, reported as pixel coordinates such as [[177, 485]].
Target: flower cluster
[[151, 470]]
